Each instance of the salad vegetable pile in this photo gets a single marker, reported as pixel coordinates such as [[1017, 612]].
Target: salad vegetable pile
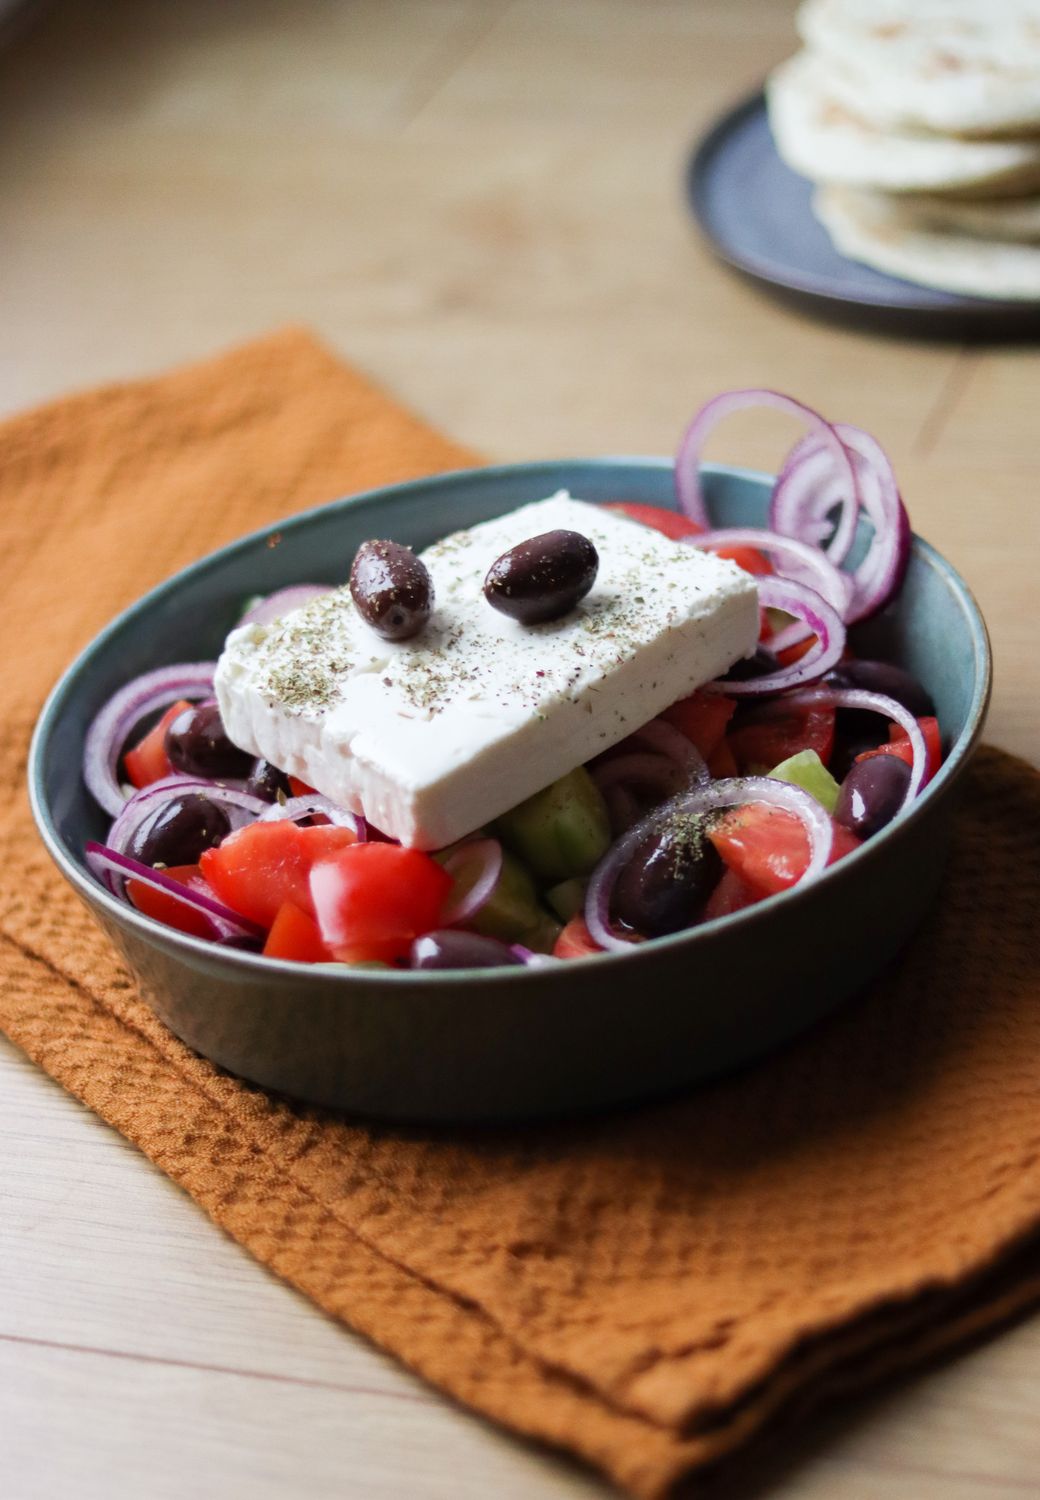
[[753, 784]]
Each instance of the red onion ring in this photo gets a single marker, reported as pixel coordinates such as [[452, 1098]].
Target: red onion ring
[[273, 606], [464, 904], [732, 792], [311, 805], [891, 709], [687, 463], [126, 708], [240, 806], [649, 770], [113, 869], [823, 621], [671, 742], [828, 581], [808, 489], [531, 959]]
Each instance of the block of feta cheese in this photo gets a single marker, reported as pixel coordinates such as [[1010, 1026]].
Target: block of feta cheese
[[432, 737]]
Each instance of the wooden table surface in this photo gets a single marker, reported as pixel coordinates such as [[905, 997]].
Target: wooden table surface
[[480, 202]]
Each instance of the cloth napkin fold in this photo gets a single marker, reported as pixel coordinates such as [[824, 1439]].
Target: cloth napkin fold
[[646, 1289]]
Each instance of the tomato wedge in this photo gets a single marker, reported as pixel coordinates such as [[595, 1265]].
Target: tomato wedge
[[730, 895], [294, 934], [702, 718], [658, 518], [770, 732], [148, 761], [899, 745], [575, 941], [768, 848], [372, 900], [260, 867], [166, 908]]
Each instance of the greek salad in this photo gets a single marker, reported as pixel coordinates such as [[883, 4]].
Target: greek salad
[[753, 783]]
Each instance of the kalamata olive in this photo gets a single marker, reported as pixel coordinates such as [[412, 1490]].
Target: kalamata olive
[[392, 589], [857, 729], [196, 743], [871, 794], [450, 949], [668, 879], [178, 831], [759, 664], [267, 781], [542, 578]]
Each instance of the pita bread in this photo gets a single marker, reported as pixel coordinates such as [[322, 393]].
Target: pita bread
[[985, 218], [957, 67], [819, 138], [874, 229]]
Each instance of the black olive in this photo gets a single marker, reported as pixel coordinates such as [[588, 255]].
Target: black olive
[[670, 876], [449, 949], [392, 589], [759, 664], [542, 578], [871, 794], [267, 781], [859, 729], [179, 831], [196, 743]]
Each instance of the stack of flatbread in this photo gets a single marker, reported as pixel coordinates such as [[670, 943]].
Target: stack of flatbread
[[919, 121]]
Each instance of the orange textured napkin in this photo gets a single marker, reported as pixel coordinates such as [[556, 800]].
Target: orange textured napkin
[[646, 1289]]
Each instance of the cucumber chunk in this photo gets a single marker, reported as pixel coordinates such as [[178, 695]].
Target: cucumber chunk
[[567, 899], [808, 771], [562, 831]]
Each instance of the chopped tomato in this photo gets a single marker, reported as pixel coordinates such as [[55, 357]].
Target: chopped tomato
[[148, 761], [768, 848], [770, 732], [748, 558], [791, 654], [702, 718], [677, 526], [899, 745], [165, 907], [300, 788], [372, 900], [258, 868], [721, 762], [670, 522], [730, 895], [575, 941], [294, 934]]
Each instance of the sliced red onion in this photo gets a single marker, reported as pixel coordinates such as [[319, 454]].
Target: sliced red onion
[[880, 574], [653, 771], [667, 740], [273, 606], [622, 807], [891, 709], [687, 464], [718, 795], [240, 806], [823, 621], [531, 959], [801, 562], [113, 869], [124, 710], [809, 488], [480, 863], [313, 804]]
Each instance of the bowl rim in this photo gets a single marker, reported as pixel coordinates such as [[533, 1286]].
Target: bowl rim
[[122, 913]]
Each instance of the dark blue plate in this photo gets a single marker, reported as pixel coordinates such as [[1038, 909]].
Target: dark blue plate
[[757, 217]]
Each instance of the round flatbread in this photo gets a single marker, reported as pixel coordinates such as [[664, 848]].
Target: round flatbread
[[984, 218], [819, 138], [874, 229], [957, 67]]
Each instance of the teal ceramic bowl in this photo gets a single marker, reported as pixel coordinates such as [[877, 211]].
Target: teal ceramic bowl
[[514, 1042]]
